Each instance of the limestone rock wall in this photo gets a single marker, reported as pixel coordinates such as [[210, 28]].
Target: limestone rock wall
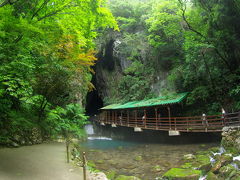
[[231, 139], [114, 57]]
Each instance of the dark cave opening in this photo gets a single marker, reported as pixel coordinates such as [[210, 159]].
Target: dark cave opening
[[93, 101], [105, 61]]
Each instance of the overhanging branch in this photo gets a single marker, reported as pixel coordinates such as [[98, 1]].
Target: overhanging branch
[[183, 9], [4, 3]]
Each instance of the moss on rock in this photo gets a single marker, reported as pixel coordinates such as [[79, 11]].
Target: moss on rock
[[111, 175], [179, 173], [138, 158], [122, 177], [211, 176], [156, 168], [225, 171]]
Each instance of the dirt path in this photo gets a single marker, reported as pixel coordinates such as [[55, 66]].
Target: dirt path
[[38, 162]]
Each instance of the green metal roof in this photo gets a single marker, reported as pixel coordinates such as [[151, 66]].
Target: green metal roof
[[162, 100]]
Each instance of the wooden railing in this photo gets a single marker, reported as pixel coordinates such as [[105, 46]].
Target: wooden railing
[[213, 123]]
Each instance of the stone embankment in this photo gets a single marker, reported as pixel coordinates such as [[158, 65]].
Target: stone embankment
[[231, 139]]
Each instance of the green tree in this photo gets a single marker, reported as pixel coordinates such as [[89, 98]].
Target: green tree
[[46, 57]]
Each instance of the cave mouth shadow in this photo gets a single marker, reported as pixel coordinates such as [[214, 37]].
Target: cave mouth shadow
[[93, 103]]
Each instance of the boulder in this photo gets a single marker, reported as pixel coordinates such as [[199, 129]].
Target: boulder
[[122, 177], [235, 175], [211, 176], [97, 176], [111, 175], [156, 169], [216, 167], [226, 159], [231, 139], [15, 145], [221, 161], [189, 157], [182, 174], [214, 149], [225, 171], [203, 163], [138, 158]]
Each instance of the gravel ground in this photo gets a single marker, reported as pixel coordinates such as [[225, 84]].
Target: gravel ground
[[38, 162]]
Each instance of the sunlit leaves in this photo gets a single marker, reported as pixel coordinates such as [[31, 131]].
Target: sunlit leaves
[[46, 55]]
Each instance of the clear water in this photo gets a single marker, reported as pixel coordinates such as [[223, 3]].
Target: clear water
[[145, 160], [103, 143]]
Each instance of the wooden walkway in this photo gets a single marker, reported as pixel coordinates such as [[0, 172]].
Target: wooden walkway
[[182, 124]]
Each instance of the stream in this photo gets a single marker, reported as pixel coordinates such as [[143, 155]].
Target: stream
[[144, 159]]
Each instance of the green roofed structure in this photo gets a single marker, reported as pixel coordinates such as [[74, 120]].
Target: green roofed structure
[[162, 100], [149, 113], [164, 113]]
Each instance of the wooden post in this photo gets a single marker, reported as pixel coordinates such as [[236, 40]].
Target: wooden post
[[156, 116], [175, 121], [135, 117], [127, 117], [84, 166], [121, 117], [67, 148], [112, 118], [169, 116], [105, 116], [145, 118]]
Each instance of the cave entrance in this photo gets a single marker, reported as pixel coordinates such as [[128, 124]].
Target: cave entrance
[[94, 103]]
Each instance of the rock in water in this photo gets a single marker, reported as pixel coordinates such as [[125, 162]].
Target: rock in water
[[122, 177], [15, 145], [189, 157], [179, 173], [97, 176]]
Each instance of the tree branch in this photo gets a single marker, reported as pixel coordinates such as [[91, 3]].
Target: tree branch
[[52, 13], [183, 8], [49, 15], [39, 9], [7, 2]]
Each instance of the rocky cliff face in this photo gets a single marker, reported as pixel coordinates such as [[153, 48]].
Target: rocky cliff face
[[231, 139], [117, 55]]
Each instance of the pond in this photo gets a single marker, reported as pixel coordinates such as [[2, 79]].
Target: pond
[[143, 159]]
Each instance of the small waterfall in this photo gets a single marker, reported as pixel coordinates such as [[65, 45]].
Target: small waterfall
[[89, 129], [203, 177], [222, 150], [212, 160], [235, 165], [237, 158], [101, 138]]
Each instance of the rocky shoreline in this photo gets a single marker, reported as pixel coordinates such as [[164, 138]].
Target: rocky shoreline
[[215, 164]]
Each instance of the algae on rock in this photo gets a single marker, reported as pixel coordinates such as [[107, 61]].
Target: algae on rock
[[180, 173], [122, 177]]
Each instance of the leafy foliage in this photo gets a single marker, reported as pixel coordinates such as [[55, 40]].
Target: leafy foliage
[[68, 120], [196, 44], [46, 54]]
